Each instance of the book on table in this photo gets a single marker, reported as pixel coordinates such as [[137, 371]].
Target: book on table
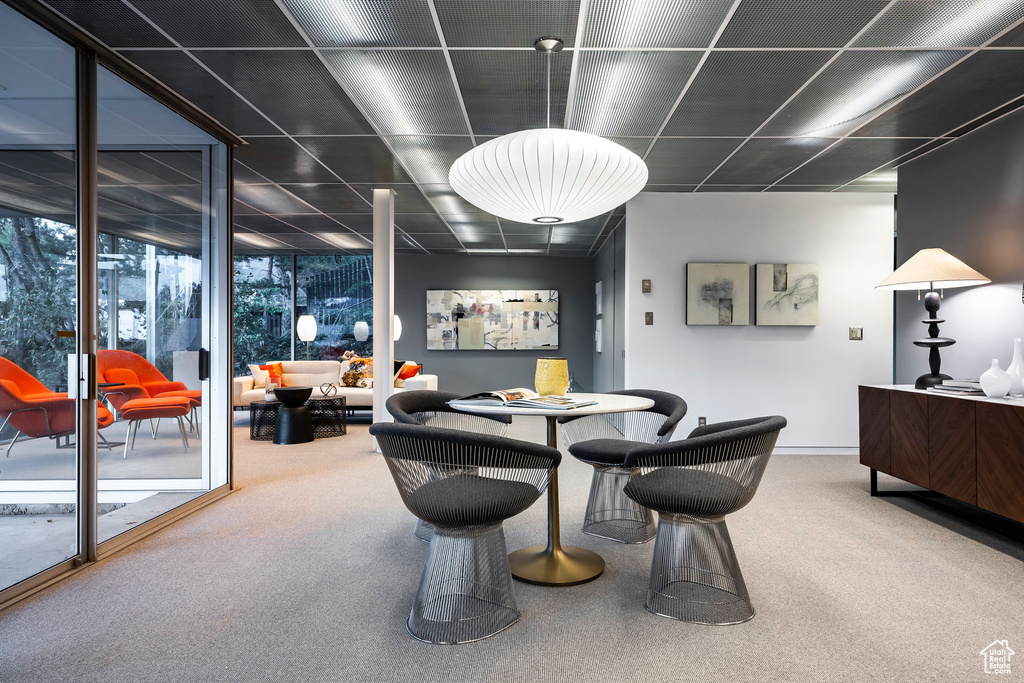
[[957, 390], [519, 398], [963, 383]]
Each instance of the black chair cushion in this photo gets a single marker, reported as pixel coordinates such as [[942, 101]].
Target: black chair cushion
[[469, 499], [685, 490], [602, 451]]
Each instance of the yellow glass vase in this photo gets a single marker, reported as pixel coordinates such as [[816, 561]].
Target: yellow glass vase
[[552, 376]]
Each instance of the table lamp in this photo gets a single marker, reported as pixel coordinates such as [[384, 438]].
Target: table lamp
[[931, 269], [306, 329]]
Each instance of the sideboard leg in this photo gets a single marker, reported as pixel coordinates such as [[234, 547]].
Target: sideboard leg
[[874, 482]]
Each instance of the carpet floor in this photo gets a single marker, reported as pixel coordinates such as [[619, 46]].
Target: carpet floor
[[307, 573]]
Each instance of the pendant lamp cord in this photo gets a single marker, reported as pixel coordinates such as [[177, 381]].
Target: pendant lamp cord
[[549, 88]]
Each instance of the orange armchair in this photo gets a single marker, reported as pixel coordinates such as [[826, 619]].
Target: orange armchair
[[135, 372], [35, 411]]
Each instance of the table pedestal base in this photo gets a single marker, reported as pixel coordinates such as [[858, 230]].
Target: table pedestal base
[[560, 566]]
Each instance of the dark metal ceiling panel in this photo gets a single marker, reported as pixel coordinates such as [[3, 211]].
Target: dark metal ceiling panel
[[850, 159], [444, 200], [359, 222], [402, 92], [628, 93], [246, 176], [982, 82], [271, 199], [887, 188], [180, 73], [1012, 38], [798, 23], [426, 158], [241, 208], [674, 188], [505, 90], [365, 23], [153, 199], [942, 23], [357, 159], [233, 23], [731, 188], [855, 88], [987, 118], [801, 188], [679, 161], [268, 225], [408, 198], [436, 241], [763, 161], [147, 168], [735, 92], [34, 165], [330, 197], [421, 223], [282, 161], [638, 146], [662, 23], [495, 23], [112, 22], [293, 88]]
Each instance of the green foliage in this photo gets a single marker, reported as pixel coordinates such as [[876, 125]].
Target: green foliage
[[260, 298]]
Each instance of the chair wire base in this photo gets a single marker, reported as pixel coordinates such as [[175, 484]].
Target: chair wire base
[[423, 530], [465, 592], [695, 576], [613, 515]]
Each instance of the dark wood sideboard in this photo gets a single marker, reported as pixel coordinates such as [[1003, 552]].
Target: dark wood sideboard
[[966, 447]]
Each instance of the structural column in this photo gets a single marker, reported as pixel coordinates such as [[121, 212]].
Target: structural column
[[383, 300]]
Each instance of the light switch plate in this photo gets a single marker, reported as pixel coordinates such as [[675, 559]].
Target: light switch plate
[[857, 333], [649, 318], [645, 286]]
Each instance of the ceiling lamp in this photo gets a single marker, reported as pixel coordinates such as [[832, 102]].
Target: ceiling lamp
[[549, 175]]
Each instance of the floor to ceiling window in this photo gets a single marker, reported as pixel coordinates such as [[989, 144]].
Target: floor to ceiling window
[[158, 335]]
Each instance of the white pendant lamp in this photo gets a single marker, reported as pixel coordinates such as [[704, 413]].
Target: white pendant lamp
[[398, 328], [361, 331], [305, 329], [548, 175]]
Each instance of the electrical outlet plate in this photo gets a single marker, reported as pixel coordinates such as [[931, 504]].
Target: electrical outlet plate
[[856, 333], [645, 287], [649, 318], [701, 421]]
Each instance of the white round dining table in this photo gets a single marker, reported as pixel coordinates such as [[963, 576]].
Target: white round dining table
[[555, 564]]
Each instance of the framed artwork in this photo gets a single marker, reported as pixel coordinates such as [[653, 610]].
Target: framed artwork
[[598, 289], [492, 319], [597, 335], [717, 294], [786, 294]]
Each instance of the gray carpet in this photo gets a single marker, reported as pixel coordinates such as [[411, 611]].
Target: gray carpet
[[307, 573]]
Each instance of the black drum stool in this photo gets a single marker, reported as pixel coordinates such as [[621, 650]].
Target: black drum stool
[[294, 424]]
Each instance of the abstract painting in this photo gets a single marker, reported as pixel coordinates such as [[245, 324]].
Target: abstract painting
[[787, 294], [492, 319], [717, 294]]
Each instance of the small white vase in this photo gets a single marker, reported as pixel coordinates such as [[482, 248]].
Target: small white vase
[[1016, 370], [994, 382]]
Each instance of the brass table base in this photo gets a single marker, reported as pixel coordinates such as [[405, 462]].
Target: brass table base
[[554, 565], [563, 566]]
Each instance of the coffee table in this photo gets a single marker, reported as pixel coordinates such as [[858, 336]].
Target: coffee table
[[328, 414], [555, 564]]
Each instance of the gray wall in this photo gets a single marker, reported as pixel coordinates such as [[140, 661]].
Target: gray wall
[[610, 266], [967, 198], [464, 372]]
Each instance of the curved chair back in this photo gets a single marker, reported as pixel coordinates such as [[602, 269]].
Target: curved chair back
[[653, 425], [117, 359], [22, 381], [711, 474], [453, 478], [431, 409]]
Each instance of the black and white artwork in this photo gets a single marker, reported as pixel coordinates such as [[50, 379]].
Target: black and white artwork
[[492, 319], [717, 294], [787, 294]]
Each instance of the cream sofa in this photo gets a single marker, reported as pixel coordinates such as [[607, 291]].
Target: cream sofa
[[314, 373]]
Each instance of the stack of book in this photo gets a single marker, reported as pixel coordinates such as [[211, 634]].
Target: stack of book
[[960, 387]]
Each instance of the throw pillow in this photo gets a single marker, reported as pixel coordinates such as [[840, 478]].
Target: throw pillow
[[409, 371], [364, 365], [259, 377], [275, 373], [351, 378]]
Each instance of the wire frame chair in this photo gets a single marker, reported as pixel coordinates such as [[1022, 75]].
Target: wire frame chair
[[431, 409], [465, 485], [693, 484], [610, 513]]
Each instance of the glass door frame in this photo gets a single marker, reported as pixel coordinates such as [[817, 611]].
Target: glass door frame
[[216, 298]]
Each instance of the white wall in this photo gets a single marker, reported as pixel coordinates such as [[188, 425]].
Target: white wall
[[808, 374]]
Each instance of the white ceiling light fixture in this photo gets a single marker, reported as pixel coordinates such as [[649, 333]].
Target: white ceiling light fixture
[[549, 175]]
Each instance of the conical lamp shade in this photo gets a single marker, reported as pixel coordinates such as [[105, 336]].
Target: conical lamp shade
[[933, 268], [548, 175]]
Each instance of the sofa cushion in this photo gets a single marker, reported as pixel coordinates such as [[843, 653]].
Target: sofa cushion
[[276, 373], [259, 377]]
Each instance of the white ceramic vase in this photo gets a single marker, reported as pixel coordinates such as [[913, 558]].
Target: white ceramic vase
[[994, 382], [1016, 370]]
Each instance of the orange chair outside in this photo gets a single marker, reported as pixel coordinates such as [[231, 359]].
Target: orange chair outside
[[115, 365], [36, 411]]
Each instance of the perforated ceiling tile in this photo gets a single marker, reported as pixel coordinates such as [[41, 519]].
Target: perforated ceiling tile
[[421, 223], [735, 92], [505, 90], [180, 72], [280, 160], [984, 81], [112, 22], [240, 208], [267, 225], [942, 23], [148, 168], [801, 188], [674, 188], [358, 222], [730, 188], [222, 23], [763, 161], [357, 159], [293, 88], [246, 176], [681, 161], [365, 23], [798, 23], [402, 92], [436, 241], [271, 199], [472, 23], [408, 198], [1012, 38], [661, 23], [331, 198], [427, 159], [628, 93], [851, 159], [855, 88]]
